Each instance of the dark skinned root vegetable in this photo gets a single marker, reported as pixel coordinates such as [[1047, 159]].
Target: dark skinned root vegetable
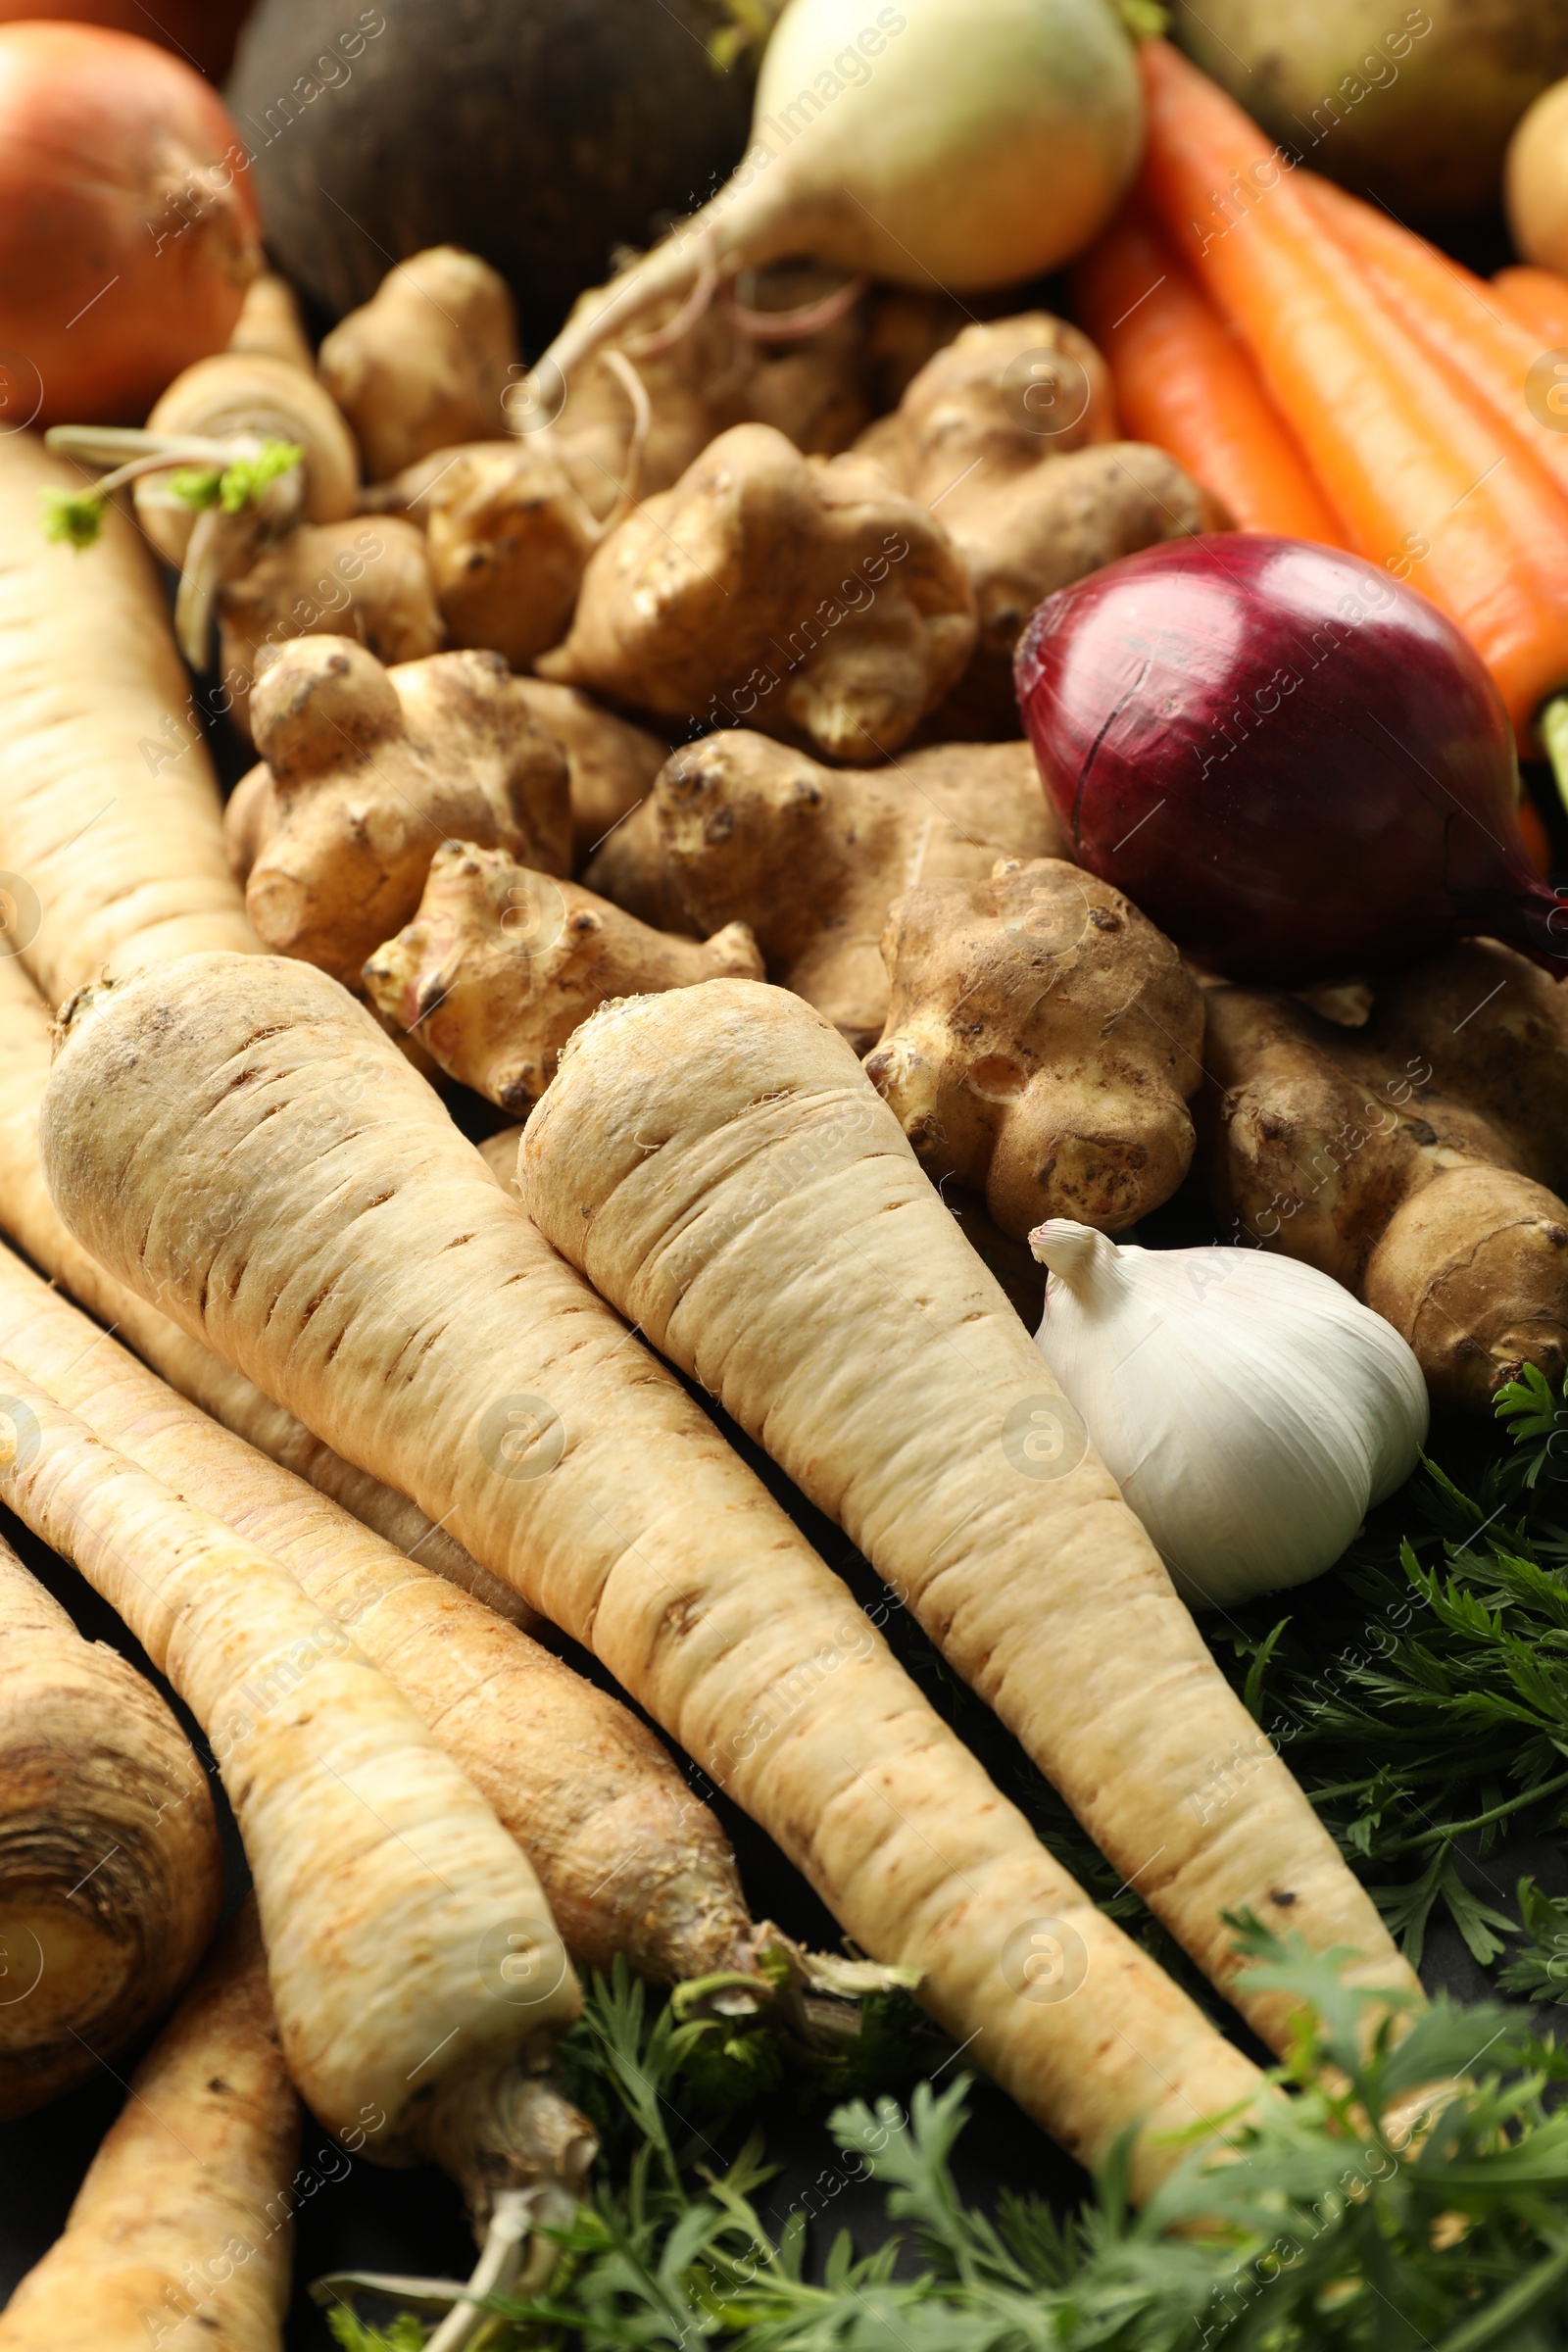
[[1421, 1158], [416, 1976], [110, 1869], [627, 119], [972, 151], [1294, 765], [182, 2219]]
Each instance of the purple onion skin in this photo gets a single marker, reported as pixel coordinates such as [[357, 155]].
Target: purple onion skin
[[1297, 767]]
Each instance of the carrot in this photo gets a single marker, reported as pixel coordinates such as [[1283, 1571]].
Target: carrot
[[1537, 298], [416, 1972], [110, 1869], [1184, 381], [761, 1216], [1449, 310], [371, 1273], [28, 1215], [1414, 462], [629, 1860], [109, 808], [179, 2234]]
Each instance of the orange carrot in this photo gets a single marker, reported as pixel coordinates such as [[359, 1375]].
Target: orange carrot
[[1184, 380], [1453, 312], [1414, 459], [1537, 298]]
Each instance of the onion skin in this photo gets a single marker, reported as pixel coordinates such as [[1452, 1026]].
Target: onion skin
[[128, 228], [1294, 765]]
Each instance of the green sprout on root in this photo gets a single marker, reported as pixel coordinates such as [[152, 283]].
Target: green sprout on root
[[75, 517]]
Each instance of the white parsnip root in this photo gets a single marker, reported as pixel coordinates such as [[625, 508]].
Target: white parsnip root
[[719, 1165], [179, 2234], [28, 1216], [416, 1976], [110, 1869], [362, 1265]]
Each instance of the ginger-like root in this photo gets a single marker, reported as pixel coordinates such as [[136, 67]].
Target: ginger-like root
[[511, 534], [1041, 1043], [613, 765], [367, 579], [501, 964], [269, 323], [1422, 1167], [740, 828], [1009, 434], [425, 362], [371, 770], [802, 595]]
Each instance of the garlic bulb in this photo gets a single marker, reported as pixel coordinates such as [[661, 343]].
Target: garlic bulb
[[1249, 1408]]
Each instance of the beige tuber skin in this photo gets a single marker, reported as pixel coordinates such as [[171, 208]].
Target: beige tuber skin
[[613, 764], [1041, 1043], [269, 323], [1420, 1159], [501, 964], [801, 595], [511, 533], [371, 770], [1009, 434], [370, 580], [739, 828], [425, 362]]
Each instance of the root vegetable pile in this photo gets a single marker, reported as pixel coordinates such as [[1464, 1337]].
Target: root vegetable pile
[[371, 1273]]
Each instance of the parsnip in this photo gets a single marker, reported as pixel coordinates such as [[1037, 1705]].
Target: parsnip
[[110, 1869], [719, 1165], [416, 1972], [28, 1215], [179, 2235], [630, 1860], [109, 810], [359, 1259]]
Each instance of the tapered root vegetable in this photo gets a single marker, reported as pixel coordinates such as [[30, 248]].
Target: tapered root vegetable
[[740, 829], [805, 594], [110, 1869], [367, 580], [630, 1862], [270, 325], [1040, 1044], [28, 1216], [500, 966], [372, 774], [425, 362], [184, 2218], [1421, 1160], [969, 154], [416, 1976], [109, 813], [423, 1324], [762, 1217]]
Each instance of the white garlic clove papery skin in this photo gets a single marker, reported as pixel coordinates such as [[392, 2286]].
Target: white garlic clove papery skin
[[1249, 1408]]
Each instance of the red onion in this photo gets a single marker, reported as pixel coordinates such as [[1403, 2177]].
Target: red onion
[[1294, 765]]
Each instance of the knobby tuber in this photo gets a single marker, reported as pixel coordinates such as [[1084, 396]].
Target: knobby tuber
[[740, 828], [370, 580], [501, 964], [110, 1868], [425, 362], [370, 774], [1041, 1040], [1010, 433], [1420, 1159], [802, 595]]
